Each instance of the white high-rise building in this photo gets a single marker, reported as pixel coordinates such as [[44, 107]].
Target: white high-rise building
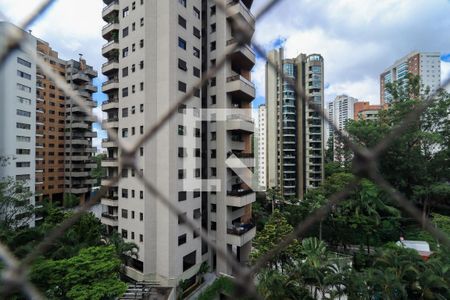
[[425, 64], [18, 114], [156, 51], [340, 110], [261, 147]]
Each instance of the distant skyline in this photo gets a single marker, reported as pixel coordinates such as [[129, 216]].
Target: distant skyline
[[358, 39]]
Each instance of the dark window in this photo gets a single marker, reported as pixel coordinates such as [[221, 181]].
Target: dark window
[[182, 239], [213, 225], [196, 52], [125, 52], [125, 72], [213, 46], [181, 21], [182, 196], [124, 112], [196, 12], [197, 132], [124, 213], [196, 72], [213, 27], [196, 32], [125, 92], [182, 64], [182, 2], [182, 218], [125, 12], [125, 32], [197, 152], [189, 261], [197, 213], [181, 174], [23, 62], [124, 193], [196, 194], [124, 233], [212, 10], [182, 86], [213, 99]]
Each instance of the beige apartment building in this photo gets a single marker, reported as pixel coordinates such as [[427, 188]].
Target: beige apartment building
[[295, 132], [156, 51]]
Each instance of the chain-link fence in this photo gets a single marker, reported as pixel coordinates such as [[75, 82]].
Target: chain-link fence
[[14, 274]]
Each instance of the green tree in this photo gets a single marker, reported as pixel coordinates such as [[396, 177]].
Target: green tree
[[273, 285], [99, 172], [15, 207], [92, 274]]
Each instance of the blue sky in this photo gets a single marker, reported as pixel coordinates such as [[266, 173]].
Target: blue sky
[[357, 39]]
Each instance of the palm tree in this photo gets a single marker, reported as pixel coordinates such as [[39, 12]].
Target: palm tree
[[124, 250], [273, 285]]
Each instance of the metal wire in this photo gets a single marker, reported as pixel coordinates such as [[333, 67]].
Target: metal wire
[[14, 275]]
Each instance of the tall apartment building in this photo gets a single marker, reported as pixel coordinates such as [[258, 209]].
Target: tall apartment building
[[261, 147], [295, 133], [425, 64], [18, 114], [156, 51], [63, 132]]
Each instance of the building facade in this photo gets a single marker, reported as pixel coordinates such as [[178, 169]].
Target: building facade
[[261, 146], [366, 111], [156, 51], [425, 64], [295, 132], [63, 132], [18, 115]]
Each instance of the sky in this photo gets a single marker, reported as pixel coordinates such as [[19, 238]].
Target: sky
[[358, 39]]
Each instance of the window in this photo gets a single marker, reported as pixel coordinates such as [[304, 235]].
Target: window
[[213, 207], [141, 43], [141, 65], [181, 152], [182, 2], [189, 261], [181, 21], [124, 233], [196, 13], [124, 213], [212, 46], [197, 132], [197, 213], [141, 129], [196, 52], [132, 235], [197, 173], [23, 126], [181, 43], [141, 86], [23, 113], [196, 233], [125, 52], [182, 64], [124, 173], [196, 72], [23, 62], [133, 110], [141, 108], [213, 172], [181, 174], [182, 86], [182, 239], [23, 151], [141, 151], [124, 132], [133, 68], [142, 22], [141, 195], [25, 139], [125, 112], [23, 164], [125, 12], [133, 26], [125, 32], [133, 194], [133, 5], [133, 47], [212, 10], [24, 88], [182, 218], [213, 136], [182, 196], [124, 193], [197, 152], [182, 108], [213, 81], [133, 131], [181, 130], [141, 217], [196, 193], [141, 238], [213, 99], [125, 92], [23, 75], [196, 32], [125, 72], [213, 225], [213, 28], [197, 92], [23, 177], [24, 100]]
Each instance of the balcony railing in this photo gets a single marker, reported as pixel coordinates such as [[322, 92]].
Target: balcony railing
[[242, 78], [114, 80], [112, 61], [239, 193], [240, 155], [241, 229], [111, 217], [111, 4]]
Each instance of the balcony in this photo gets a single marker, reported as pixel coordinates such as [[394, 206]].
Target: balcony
[[236, 10], [240, 160], [77, 157], [109, 28], [110, 200], [108, 182], [110, 162], [240, 199], [240, 88], [111, 66], [80, 78], [243, 56], [109, 47], [240, 235], [77, 174], [110, 104], [77, 140], [90, 88], [112, 84], [112, 8], [236, 143], [90, 165], [110, 220], [78, 125], [107, 143], [239, 122], [78, 190], [111, 123]]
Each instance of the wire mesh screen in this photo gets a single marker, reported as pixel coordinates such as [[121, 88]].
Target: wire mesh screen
[[14, 274]]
